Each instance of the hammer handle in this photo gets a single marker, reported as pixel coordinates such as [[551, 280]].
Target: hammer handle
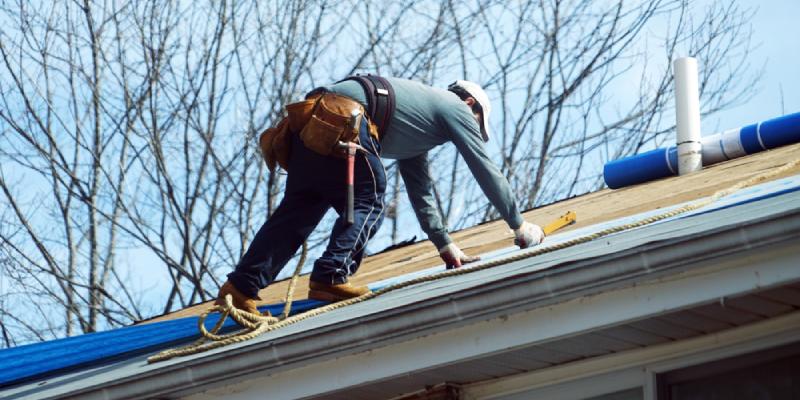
[[350, 212]]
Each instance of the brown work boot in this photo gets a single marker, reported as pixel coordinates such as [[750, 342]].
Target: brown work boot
[[333, 293], [240, 301]]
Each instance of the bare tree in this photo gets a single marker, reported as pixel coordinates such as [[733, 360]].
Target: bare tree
[[129, 128]]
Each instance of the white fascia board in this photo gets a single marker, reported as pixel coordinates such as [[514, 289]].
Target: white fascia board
[[706, 281], [632, 368]]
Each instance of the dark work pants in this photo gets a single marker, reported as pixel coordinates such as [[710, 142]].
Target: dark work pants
[[314, 184]]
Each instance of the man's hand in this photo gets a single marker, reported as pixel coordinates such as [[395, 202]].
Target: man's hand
[[453, 256], [527, 235]]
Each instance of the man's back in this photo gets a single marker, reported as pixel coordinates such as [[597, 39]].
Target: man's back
[[423, 118]]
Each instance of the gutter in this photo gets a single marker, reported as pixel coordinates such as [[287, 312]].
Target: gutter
[[559, 282]]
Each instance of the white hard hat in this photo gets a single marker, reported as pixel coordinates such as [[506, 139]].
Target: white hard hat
[[481, 98]]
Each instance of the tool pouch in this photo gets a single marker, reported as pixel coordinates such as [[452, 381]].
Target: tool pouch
[[330, 123], [300, 113], [275, 143]]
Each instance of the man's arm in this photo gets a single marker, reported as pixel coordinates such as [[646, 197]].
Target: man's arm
[[419, 186], [465, 134]]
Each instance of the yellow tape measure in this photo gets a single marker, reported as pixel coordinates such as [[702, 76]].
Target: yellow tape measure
[[567, 219]]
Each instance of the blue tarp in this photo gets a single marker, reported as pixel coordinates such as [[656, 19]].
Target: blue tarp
[[38, 360]]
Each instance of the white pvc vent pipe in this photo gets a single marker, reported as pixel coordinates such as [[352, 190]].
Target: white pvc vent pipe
[[687, 113]]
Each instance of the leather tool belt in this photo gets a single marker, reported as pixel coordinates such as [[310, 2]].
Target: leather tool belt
[[322, 121], [333, 119]]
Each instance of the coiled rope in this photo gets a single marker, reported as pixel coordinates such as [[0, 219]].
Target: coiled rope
[[255, 325]]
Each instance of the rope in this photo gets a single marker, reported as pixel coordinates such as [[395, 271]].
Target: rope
[[256, 325], [287, 307]]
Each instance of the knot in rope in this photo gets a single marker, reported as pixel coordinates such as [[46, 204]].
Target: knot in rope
[[249, 321]]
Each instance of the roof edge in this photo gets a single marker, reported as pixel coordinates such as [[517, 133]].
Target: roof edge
[[527, 291]]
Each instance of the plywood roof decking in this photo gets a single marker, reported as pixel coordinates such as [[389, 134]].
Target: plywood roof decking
[[591, 208]]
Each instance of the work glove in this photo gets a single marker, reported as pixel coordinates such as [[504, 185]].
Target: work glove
[[527, 235], [453, 256]]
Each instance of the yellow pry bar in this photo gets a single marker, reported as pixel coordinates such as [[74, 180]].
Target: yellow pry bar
[[567, 219]]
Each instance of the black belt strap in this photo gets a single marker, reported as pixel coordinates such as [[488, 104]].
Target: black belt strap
[[380, 100]]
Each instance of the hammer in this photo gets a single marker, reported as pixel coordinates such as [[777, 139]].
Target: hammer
[[349, 148]]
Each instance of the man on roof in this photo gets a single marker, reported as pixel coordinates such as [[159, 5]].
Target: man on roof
[[405, 120], [426, 117]]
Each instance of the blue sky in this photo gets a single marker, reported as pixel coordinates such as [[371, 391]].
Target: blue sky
[[775, 33]]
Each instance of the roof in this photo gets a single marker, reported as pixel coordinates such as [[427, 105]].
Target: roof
[[593, 208], [754, 218]]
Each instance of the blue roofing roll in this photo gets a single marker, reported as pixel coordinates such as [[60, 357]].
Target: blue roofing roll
[[750, 139], [781, 131], [661, 163], [654, 164]]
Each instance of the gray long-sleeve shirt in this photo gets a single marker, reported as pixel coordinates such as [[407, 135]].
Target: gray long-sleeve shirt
[[424, 118]]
